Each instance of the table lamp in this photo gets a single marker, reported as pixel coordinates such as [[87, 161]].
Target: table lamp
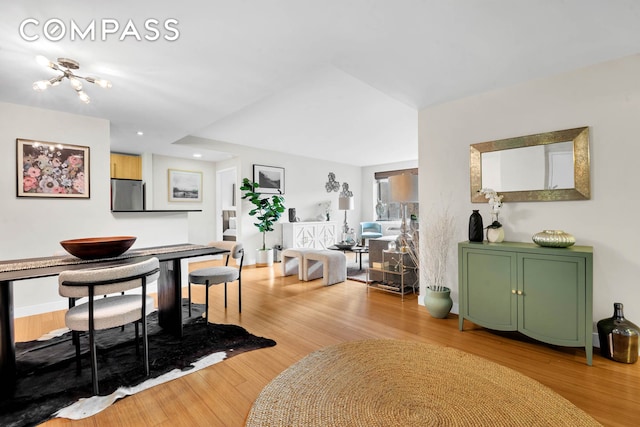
[[345, 204], [403, 189]]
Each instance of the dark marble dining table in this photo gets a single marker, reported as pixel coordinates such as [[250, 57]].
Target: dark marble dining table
[[169, 290]]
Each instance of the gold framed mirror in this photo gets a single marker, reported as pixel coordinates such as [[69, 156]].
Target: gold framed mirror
[[547, 166]]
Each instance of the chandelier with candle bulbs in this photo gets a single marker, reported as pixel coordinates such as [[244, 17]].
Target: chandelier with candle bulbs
[[66, 67]]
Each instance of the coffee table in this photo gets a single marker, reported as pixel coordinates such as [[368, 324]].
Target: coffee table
[[358, 250]]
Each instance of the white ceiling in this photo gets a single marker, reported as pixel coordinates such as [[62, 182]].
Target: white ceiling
[[341, 80]]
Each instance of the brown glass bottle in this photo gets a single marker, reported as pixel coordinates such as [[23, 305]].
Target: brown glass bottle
[[618, 337]]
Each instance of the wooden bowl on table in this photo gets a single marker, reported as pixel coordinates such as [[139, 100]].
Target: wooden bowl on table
[[98, 247]]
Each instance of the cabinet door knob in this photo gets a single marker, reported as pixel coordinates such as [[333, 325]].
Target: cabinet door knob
[[519, 292], [513, 291]]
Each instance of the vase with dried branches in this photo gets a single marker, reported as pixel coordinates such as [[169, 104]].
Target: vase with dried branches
[[438, 244]]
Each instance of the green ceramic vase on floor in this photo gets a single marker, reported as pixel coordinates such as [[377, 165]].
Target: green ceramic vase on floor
[[438, 303]]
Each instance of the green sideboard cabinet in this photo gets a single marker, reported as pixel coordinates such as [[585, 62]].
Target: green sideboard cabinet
[[544, 293]]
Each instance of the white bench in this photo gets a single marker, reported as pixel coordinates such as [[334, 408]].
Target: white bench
[[292, 260], [328, 264]]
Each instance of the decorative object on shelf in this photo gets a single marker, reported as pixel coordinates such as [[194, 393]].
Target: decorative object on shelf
[[438, 238], [98, 247], [403, 189], [414, 224], [332, 184], [48, 169], [554, 239], [267, 210], [292, 215], [380, 209], [476, 230], [269, 178], [438, 302], [495, 232], [185, 186], [66, 67], [325, 211], [618, 337], [495, 202]]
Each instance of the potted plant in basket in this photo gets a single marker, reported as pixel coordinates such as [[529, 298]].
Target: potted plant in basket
[[438, 241], [267, 211]]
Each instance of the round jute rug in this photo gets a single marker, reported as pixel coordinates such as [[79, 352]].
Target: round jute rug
[[406, 383]]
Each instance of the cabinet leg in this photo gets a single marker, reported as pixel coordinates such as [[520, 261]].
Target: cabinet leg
[[589, 350]]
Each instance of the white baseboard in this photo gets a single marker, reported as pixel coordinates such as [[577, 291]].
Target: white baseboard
[[596, 339], [31, 310]]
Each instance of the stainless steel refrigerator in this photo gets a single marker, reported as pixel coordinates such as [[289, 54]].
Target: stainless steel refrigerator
[[127, 195]]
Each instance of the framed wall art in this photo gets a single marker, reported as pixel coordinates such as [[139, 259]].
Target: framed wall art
[[185, 186], [49, 169], [270, 179]]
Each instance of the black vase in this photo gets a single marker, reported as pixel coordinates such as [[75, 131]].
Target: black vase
[[476, 231], [292, 214], [618, 337]]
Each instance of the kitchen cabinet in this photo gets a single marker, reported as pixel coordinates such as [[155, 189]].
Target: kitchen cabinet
[[126, 166], [544, 293], [313, 234]]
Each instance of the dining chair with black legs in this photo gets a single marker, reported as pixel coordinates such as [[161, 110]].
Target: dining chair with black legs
[[220, 274], [107, 306]]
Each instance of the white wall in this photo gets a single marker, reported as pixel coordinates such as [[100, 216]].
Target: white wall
[[202, 225], [607, 99], [304, 187], [33, 227]]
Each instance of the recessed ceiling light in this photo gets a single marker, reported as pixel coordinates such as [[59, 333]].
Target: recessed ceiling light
[[198, 155], [140, 133]]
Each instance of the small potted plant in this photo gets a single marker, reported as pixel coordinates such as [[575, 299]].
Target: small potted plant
[[495, 232], [267, 211]]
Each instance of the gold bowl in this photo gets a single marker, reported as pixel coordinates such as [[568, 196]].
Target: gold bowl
[[554, 239], [98, 247]]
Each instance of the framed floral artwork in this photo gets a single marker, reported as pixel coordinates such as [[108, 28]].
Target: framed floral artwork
[[50, 169], [185, 186]]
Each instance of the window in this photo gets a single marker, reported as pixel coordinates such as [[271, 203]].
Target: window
[[385, 209]]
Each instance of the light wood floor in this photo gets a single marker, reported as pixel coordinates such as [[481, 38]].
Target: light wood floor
[[303, 317]]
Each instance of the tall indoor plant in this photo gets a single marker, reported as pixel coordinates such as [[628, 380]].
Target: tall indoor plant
[[267, 211], [438, 241]]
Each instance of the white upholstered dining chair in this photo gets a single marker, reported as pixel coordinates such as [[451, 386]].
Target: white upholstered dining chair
[[107, 305], [221, 274]]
